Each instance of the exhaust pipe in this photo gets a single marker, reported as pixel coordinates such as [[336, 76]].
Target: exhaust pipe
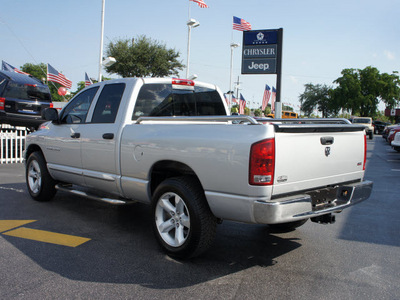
[[324, 219]]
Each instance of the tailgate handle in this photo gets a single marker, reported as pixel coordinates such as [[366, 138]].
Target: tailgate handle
[[108, 136], [327, 140]]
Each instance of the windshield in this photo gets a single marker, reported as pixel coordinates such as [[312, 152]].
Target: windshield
[[363, 121], [27, 91]]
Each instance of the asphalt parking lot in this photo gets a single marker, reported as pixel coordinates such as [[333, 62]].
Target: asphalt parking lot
[[117, 257]]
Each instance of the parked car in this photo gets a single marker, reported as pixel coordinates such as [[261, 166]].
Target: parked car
[[385, 133], [392, 133], [396, 142], [379, 126], [22, 99], [367, 122]]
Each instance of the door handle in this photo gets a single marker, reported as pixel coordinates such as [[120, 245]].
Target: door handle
[[327, 140], [108, 136], [75, 135]]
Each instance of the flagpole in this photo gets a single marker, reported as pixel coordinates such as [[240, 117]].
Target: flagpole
[[101, 39]]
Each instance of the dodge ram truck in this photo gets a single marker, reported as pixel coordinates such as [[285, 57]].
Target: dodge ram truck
[[172, 144]]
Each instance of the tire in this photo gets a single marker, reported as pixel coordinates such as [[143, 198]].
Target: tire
[[41, 185], [286, 227], [183, 222], [371, 135]]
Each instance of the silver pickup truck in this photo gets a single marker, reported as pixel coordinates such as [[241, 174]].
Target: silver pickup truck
[[171, 143]]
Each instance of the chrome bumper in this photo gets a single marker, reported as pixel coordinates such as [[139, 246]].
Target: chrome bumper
[[299, 207]]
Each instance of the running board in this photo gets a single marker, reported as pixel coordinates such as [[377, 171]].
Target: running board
[[70, 189]]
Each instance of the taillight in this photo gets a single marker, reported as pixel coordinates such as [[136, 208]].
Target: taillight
[[262, 163], [184, 82], [365, 151], [2, 103], [51, 105]]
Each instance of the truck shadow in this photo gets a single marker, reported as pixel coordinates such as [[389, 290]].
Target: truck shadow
[[123, 249], [376, 220]]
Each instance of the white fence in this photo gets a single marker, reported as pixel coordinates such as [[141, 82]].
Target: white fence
[[12, 143]]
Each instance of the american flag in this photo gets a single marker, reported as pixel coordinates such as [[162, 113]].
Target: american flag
[[7, 67], [240, 24], [226, 99], [242, 105], [273, 97], [267, 94], [200, 3], [55, 76], [88, 81], [234, 100]]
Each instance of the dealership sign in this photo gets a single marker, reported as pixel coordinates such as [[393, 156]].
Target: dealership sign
[[261, 51]]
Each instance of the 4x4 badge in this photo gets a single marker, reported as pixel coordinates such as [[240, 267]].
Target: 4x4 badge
[[327, 151]]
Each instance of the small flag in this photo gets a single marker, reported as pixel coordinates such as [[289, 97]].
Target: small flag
[[240, 24], [55, 76], [7, 67], [273, 97], [242, 105], [226, 99], [200, 3], [88, 81], [267, 95], [234, 100]]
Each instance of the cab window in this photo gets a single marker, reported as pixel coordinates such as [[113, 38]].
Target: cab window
[[107, 106], [163, 100], [77, 109]]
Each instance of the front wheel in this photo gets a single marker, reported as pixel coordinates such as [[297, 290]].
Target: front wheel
[[41, 185], [371, 135], [183, 223]]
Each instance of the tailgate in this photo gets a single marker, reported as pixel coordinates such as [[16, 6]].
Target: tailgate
[[309, 157]]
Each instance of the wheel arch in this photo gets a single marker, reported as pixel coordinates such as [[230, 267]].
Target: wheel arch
[[33, 148], [165, 169]]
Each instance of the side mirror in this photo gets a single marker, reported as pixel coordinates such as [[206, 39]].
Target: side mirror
[[50, 114]]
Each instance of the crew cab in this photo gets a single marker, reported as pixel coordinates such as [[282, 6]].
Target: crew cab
[[171, 143]]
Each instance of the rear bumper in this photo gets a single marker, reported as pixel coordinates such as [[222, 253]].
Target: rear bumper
[[299, 207], [21, 119]]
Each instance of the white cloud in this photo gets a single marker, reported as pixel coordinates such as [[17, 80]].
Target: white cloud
[[389, 55]]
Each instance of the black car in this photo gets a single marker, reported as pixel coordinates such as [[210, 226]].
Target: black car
[[379, 126], [22, 99]]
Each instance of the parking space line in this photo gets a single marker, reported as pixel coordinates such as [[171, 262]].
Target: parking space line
[[10, 224], [47, 237]]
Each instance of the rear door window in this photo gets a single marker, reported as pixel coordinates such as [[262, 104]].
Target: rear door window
[[163, 100], [107, 106]]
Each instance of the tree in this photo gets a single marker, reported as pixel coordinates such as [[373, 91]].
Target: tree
[[257, 112], [360, 91], [142, 58], [318, 97]]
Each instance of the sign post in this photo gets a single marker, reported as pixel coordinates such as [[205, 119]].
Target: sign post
[[262, 54]]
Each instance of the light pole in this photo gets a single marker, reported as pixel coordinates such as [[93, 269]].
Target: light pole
[[192, 23], [233, 46]]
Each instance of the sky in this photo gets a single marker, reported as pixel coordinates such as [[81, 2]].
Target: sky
[[320, 38]]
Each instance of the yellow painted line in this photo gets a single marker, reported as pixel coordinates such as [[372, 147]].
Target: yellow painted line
[[11, 224], [47, 237]]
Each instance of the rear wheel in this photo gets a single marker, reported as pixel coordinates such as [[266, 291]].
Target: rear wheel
[[183, 223], [286, 227], [371, 135], [41, 185]]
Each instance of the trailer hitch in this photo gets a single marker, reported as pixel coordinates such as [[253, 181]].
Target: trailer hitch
[[324, 219]]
